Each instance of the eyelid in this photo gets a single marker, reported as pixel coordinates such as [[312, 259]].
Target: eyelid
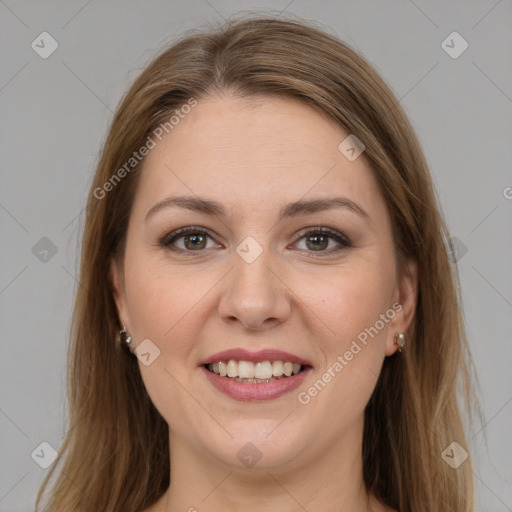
[[325, 230], [167, 239], [343, 241]]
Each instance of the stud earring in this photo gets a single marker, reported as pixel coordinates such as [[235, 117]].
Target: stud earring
[[400, 340], [124, 338]]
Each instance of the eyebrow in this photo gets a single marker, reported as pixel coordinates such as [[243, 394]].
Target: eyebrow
[[295, 209]]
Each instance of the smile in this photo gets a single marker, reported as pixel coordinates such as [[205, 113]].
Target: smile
[[261, 375], [255, 373]]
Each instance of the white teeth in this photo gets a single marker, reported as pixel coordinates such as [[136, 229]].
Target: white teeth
[[247, 371], [232, 368], [263, 370], [277, 368]]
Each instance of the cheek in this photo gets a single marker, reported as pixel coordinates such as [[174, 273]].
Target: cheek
[[352, 338], [165, 307], [161, 297], [350, 301], [335, 307]]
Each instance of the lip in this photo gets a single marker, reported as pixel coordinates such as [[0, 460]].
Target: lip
[[255, 392], [269, 354]]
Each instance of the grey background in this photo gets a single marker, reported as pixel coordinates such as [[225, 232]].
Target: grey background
[[54, 117]]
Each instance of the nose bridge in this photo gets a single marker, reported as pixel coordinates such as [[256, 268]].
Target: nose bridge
[[253, 294]]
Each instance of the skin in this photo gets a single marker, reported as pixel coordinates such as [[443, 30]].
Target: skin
[[253, 156]]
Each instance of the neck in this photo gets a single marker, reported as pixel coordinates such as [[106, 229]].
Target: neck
[[332, 480]]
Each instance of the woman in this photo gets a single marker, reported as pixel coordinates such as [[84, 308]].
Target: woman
[[267, 315]]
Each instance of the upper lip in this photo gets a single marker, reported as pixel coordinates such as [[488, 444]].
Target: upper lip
[[268, 354]]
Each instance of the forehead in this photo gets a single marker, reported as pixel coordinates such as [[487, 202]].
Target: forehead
[[252, 151]]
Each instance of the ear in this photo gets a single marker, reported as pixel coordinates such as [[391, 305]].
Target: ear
[[406, 296], [118, 288]]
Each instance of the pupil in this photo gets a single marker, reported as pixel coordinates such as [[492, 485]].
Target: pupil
[[194, 238], [316, 239]]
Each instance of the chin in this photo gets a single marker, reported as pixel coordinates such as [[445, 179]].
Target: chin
[[259, 448]]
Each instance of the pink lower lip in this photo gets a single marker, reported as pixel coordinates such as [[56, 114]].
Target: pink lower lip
[[247, 391]]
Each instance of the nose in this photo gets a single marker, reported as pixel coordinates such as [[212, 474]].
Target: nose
[[254, 294]]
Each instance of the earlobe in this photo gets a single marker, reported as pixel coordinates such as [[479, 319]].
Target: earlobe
[[407, 293]]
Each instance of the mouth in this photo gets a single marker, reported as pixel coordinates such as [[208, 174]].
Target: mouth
[[261, 372], [255, 376]]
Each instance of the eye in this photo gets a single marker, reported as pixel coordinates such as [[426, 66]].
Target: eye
[[194, 239], [318, 239]]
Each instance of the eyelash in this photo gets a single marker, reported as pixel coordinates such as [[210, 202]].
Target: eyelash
[[170, 238]]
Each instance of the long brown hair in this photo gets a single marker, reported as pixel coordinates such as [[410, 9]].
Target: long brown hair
[[115, 455]]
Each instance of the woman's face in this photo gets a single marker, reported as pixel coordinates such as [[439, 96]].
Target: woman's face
[[253, 275]]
